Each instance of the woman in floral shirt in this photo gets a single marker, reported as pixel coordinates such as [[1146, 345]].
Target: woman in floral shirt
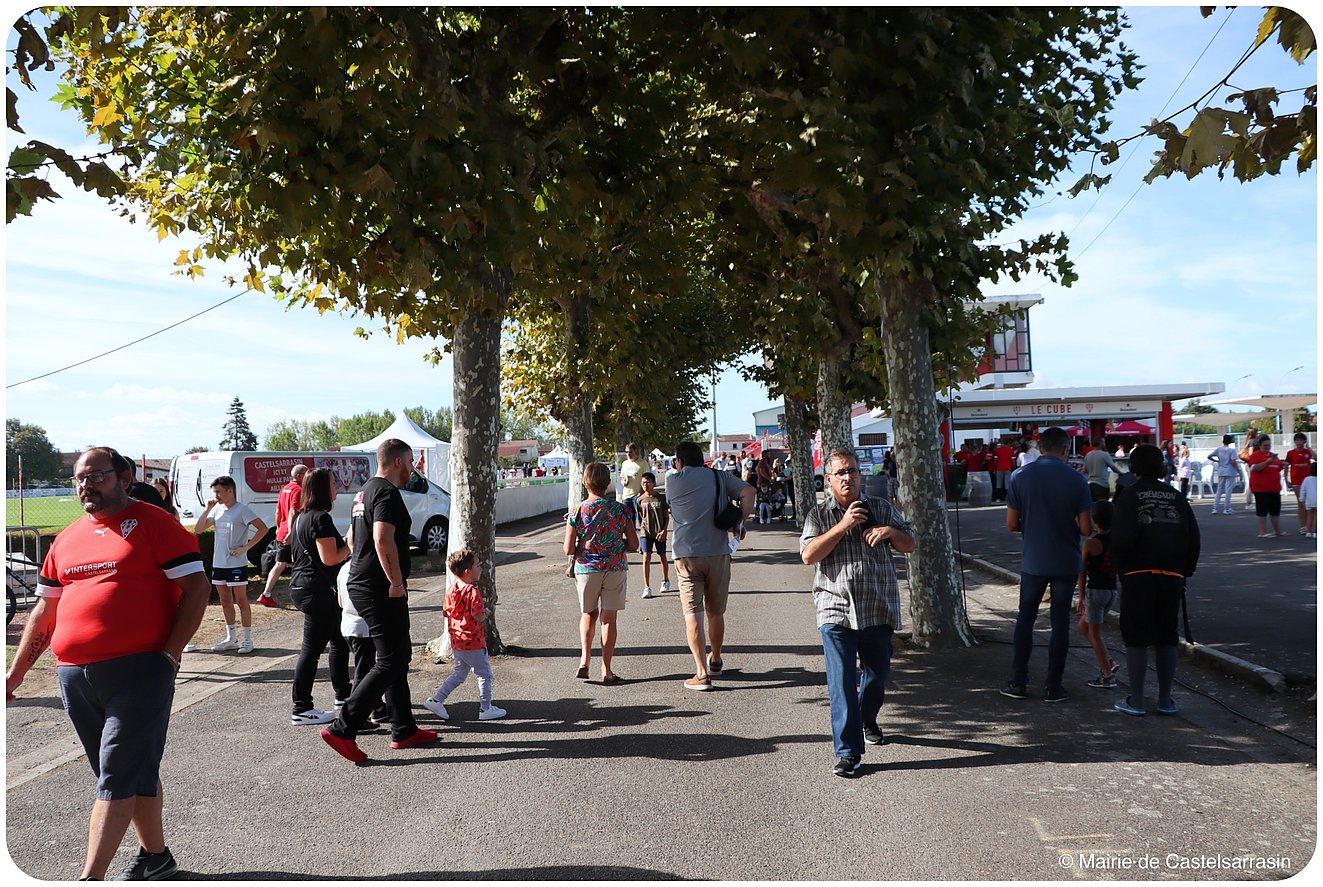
[[599, 534]]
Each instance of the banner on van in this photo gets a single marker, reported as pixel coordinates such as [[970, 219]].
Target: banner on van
[[267, 474]]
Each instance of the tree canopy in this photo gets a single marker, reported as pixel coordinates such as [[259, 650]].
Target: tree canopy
[[41, 460]]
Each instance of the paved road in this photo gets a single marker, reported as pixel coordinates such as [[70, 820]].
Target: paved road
[[650, 781], [1253, 598]]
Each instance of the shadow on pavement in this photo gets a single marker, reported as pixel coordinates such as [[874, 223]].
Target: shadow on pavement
[[542, 873]]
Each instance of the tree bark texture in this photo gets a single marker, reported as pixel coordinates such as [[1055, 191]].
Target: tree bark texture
[[937, 605], [578, 420], [477, 398], [799, 440], [833, 408]]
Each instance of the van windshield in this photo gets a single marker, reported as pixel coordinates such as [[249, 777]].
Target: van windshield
[[417, 483]]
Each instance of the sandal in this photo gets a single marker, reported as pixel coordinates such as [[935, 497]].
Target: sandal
[[582, 673], [612, 681]]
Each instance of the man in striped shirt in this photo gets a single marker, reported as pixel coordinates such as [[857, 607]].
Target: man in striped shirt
[[849, 539]]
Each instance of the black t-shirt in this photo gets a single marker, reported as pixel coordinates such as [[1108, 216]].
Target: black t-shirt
[[309, 577], [379, 500]]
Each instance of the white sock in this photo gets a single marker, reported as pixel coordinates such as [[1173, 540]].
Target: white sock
[[229, 632], [247, 632]]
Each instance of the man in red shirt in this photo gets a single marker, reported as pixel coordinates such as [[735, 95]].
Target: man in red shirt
[[120, 592], [1298, 459], [1004, 456], [287, 507]]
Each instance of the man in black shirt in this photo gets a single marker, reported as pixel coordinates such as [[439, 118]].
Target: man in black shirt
[[378, 570]]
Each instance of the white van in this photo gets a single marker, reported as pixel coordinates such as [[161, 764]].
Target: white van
[[259, 476]]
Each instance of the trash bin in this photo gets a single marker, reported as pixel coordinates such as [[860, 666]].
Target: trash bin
[[957, 475], [980, 488]]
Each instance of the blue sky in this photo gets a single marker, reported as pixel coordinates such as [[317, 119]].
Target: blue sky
[[1181, 281]]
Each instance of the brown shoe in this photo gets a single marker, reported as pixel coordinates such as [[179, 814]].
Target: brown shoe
[[698, 684]]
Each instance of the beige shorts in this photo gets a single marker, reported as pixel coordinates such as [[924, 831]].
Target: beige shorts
[[604, 590], [704, 583]]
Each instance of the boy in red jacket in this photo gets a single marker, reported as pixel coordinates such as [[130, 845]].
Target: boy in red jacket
[[465, 614]]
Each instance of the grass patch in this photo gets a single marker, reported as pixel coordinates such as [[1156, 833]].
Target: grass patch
[[47, 513]]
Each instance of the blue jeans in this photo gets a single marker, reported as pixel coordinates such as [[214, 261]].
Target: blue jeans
[[1222, 492], [855, 702], [1031, 595]]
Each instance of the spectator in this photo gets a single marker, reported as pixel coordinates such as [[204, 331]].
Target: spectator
[[849, 541], [598, 535], [466, 614], [1226, 460], [237, 530], [654, 518], [316, 551], [1096, 465], [378, 572], [117, 636], [288, 502], [1298, 460], [1049, 504], [1155, 546], [1266, 485], [702, 554]]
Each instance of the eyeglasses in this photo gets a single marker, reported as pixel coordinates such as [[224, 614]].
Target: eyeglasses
[[93, 477], [846, 472]]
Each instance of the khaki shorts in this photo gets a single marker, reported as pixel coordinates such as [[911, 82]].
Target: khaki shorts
[[704, 583], [604, 590]]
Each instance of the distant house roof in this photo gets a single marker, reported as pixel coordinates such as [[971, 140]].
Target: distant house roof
[[734, 438], [509, 449]]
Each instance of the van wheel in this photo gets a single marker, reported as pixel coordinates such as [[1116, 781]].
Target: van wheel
[[436, 535]]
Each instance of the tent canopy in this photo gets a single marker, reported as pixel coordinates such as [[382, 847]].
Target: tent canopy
[[557, 458], [1129, 426], [406, 430], [432, 452]]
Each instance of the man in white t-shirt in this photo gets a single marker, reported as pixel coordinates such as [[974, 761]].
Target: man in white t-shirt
[[631, 481], [237, 530]]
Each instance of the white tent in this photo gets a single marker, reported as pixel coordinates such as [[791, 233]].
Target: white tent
[[557, 458], [434, 453]]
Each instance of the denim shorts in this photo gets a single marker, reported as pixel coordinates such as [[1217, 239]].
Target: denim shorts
[[648, 544], [1097, 601], [120, 709]]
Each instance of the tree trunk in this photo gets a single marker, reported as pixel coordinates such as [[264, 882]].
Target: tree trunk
[[799, 440], [833, 408], [578, 421], [937, 607], [477, 373]]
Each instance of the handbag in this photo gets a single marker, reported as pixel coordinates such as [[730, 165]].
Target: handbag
[[728, 516]]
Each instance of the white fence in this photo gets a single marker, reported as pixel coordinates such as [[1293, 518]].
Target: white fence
[[519, 499]]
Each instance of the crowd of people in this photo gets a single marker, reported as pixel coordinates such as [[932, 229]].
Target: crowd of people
[[116, 663]]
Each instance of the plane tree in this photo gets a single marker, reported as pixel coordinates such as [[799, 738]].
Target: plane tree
[[392, 163], [899, 144]]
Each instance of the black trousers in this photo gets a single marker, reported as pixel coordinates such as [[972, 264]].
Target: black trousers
[[388, 625], [321, 628]]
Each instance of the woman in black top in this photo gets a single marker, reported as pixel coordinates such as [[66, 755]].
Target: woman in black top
[[317, 550]]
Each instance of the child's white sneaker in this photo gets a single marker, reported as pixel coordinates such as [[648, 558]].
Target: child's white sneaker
[[666, 586], [491, 713], [647, 592], [436, 708]]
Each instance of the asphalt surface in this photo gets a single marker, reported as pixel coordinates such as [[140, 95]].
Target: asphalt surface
[[648, 780], [1256, 599]]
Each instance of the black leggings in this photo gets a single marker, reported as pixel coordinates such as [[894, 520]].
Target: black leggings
[[321, 628]]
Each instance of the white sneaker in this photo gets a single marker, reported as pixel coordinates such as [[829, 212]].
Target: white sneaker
[[245, 646], [647, 592], [491, 713], [190, 647], [666, 586], [311, 717], [1228, 511], [436, 708], [229, 645]]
